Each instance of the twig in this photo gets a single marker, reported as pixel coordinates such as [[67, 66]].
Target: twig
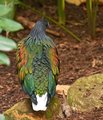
[[94, 72], [30, 25], [25, 22], [65, 107], [53, 32], [52, 20]]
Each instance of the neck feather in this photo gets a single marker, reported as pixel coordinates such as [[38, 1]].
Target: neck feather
[[38, 32]]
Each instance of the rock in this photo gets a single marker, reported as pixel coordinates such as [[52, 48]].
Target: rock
[[62, 88], [86, 93], [23, 111]]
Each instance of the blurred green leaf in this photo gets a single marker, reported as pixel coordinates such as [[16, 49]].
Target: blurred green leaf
[[4, 9], [0, 30], [9, 6], [4, 60], [2, 117], [10, 25], [8, 1], [7, 44]]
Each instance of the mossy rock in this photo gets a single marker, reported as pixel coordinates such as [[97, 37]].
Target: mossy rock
[[86, 93], [23, 111]]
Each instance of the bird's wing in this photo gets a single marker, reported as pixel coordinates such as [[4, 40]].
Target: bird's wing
[[52, 55], [22, 59]]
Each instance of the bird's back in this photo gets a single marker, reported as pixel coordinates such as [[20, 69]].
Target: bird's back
[[38, 68]]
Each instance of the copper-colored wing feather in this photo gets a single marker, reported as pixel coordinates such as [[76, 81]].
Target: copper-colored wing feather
[[22, 58], [54, 60]]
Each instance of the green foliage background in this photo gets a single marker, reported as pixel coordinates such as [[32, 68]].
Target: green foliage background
[[7, 10]]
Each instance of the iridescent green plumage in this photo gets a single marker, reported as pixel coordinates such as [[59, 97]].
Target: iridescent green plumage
[[38, 64]]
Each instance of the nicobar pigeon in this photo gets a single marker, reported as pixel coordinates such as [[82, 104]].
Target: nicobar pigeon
[[38, 66]]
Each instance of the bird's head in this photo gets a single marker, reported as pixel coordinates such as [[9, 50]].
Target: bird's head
[[42, 24], [39, 28]]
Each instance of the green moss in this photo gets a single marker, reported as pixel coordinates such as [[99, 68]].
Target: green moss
[[23, 111], [86, 92], [54, 108], [48, 114]]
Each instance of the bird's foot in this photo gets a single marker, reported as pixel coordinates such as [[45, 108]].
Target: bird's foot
[[33, 99]]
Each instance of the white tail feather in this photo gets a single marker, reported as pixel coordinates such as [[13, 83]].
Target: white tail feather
[[41, 103]]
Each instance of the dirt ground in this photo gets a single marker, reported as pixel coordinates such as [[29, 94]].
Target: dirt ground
[[77, 59]]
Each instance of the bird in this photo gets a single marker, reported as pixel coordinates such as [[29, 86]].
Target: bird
[[38, 66]]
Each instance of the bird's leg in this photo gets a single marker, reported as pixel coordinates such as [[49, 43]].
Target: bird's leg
[[33, 98]]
